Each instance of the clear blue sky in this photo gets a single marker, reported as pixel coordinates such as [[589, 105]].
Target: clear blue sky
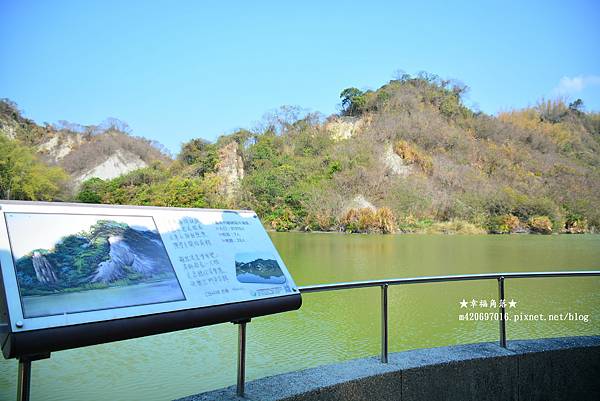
[[175, 70]]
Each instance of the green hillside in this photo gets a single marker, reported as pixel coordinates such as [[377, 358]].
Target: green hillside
[[408, 157]]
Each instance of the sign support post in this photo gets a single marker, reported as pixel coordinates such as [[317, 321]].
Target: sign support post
[[241, 365], [24, 375], [24, 381]]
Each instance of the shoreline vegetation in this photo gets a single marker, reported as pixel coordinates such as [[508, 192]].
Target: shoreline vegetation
[[383, 221], [409, 157], [452, 227]]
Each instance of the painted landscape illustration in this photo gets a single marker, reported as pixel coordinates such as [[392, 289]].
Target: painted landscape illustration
[[75, 263], [258, 268]]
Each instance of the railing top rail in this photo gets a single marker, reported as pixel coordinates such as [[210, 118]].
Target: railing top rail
[[438, 279], [410, 280]]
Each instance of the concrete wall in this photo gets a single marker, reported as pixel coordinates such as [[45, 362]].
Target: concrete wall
[[549, 369]]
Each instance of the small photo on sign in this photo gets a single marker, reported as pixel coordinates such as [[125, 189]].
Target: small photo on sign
[[258, 268], [67, 263]]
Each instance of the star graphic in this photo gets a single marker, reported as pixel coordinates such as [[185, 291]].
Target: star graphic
[[463, 303], [512, 303]]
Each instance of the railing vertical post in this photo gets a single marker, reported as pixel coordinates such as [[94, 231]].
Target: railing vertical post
[[502, 316], [384, 323], [241, 363], [24, 379]]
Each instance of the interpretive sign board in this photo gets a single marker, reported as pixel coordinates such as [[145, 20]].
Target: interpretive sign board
[[77, 274]]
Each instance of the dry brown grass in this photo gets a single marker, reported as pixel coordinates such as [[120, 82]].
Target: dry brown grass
[[366, 220], [540, 225], [411, 154]]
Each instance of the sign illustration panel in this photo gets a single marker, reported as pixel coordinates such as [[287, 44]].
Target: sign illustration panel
[[256, 267], [75, 263]]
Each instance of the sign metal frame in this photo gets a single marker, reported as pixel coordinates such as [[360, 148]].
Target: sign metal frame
[[31, 338]]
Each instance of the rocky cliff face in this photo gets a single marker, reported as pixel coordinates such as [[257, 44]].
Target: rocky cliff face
[[394, 163], [114, 268], [59, 145], [43, 269], [62, 148], [119, 163], [230, 168], [359, 202], [9, 130], [345, 127], [122, 258]]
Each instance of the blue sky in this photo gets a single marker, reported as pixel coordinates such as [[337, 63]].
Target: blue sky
[[183, 69]]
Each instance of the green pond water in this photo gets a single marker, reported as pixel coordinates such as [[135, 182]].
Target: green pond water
[[341, 325]]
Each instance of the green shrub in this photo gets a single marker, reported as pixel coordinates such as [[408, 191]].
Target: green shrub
[[23, 176], [91, 191], [454, 227], [524, 207], [410, 224], [282, 219], [575, 223]]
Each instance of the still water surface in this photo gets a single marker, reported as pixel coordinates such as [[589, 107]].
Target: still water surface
[[337, 326]]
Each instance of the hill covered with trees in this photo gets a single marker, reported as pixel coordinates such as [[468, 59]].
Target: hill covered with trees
[[106, 150], [408, 157]]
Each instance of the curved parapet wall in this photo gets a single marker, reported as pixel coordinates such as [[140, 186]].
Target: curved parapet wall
[[547, 369]]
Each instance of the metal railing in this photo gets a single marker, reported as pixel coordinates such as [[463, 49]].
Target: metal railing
[[385, 284]]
